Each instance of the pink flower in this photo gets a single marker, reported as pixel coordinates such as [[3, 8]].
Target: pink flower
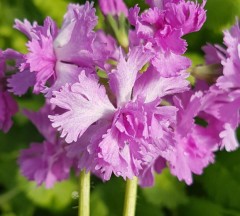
[[231, 65], [206, 122], [193, 149], [56, 56], [45, 162], [163, 26], [214, 54], [229, 58], [224, 108], [123, 136], [113, 7], [8, 106], [222, 100]]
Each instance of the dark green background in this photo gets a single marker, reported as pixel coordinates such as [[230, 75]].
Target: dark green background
[[215, 193]]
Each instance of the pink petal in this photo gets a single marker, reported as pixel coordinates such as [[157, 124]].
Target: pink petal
[[123, 78], [85, 102], [151, 85], [20, 82]]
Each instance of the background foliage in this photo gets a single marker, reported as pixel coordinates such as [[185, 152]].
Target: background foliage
[[215, 193]]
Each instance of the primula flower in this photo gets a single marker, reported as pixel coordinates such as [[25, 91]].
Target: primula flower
[[163, 25], [8, 106], [231, 65], [228, 57], [123, 136], [224, 109], [20, 82], [56, 56], [222, 100], [45, 162], [113, 7], [195, 143], [194, 147]]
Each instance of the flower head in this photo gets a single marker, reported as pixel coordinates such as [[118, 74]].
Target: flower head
[[163, 25], [8, 106], [45, 162], [122, 136], [56, 56]]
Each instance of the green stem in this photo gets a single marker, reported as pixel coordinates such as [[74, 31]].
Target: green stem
[[119, 31], [130, 197], [84, 194]]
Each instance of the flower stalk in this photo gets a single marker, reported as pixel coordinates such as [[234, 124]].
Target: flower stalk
[[130, 197], [84, 194]]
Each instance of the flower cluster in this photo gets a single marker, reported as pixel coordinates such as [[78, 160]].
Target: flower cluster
[[128, 111]]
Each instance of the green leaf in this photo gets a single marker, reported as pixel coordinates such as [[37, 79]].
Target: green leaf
[[222, 180], [56, 198], [201, 207], [196, 58], [167, 191], [144, 207], [108, 197], [55, 9], [221, 13], [98, 206]]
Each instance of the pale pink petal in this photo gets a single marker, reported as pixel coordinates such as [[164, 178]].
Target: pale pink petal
[[85, 102], [74, 43], [123, 78], [25, 27], [229, 138], [170, 64], [151, 85], [189, 105], [66, 74]]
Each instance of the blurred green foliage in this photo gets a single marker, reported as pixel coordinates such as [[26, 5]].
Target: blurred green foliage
[[215, 193]]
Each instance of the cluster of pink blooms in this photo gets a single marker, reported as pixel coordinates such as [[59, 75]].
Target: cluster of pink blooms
[[143, 115]]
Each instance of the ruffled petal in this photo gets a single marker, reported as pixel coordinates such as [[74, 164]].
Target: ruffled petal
[[85, 102], [151, 85], [49, 159], [20, 82], [123, 78]]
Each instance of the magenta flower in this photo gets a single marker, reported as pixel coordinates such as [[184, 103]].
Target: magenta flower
[[113, 7], [45, 162], [20, 82], [231, 65], [229, 58], [222, 101], [56, 56], [163, 25], [193, 149], [214, 54], [123, 136], [224, 108], [8, 106]]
